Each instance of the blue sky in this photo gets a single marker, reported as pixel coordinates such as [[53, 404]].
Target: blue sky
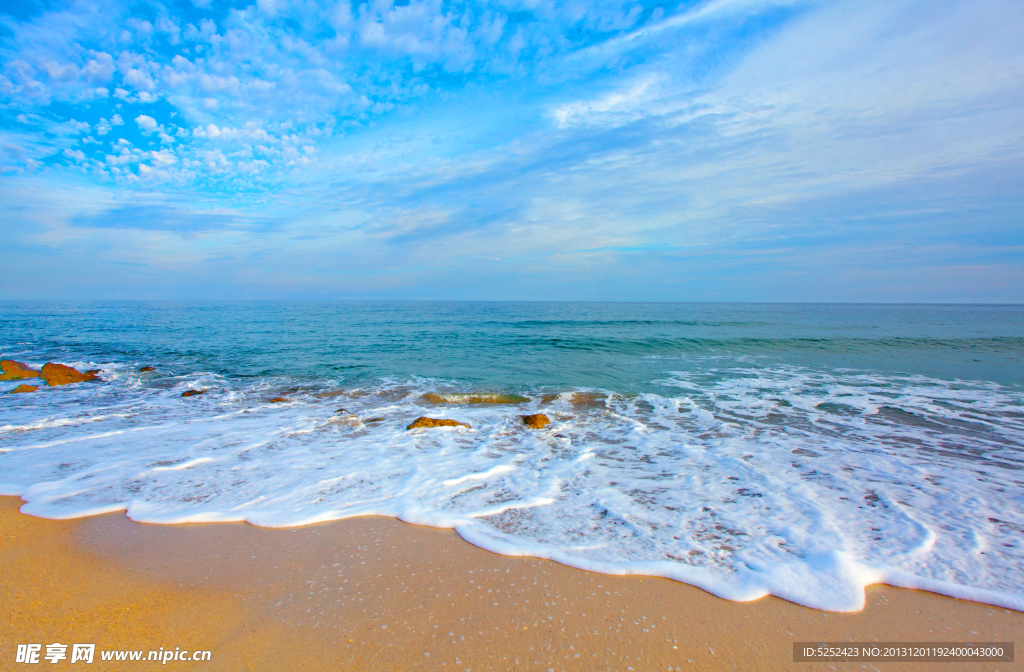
[[738, 150]]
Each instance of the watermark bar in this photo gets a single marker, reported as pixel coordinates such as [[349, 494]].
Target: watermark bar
[[912, 652]]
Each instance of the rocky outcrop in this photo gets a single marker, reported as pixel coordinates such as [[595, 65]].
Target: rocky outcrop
[[435, 422], [278, 400], [146, 369], [24, 388], [192, 393], [13, 370], [58, 374], [472, 398], [535, 421]]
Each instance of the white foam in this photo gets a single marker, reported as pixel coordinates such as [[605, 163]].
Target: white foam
[[802, 484]]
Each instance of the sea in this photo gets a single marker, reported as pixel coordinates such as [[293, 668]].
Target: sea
[[802, 451]]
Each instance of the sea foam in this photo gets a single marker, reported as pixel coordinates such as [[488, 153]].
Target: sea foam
[[745, 481]]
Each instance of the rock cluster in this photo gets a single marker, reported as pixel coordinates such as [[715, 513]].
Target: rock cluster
[[59, 374], [53, 374]]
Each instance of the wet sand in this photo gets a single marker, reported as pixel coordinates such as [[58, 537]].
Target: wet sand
[[378, 594]]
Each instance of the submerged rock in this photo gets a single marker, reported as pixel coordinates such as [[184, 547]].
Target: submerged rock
[[588, 400], [146, 369], [58, 374], [472, 398], [277, 400], [192, 393], [24, 388], [13, 370], [435, 422], [535, 421]]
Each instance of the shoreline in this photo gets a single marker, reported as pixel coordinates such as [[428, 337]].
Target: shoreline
[[377, 593]]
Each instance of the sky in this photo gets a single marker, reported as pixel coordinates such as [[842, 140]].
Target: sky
[[715, 150]]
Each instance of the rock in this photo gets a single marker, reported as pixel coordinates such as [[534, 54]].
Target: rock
[[374, 420], [58, 374], [435, 422], [535, 421], [588, 400], [147, 368], [464, 398], [93, 372], [192, 393], [24, 388], [277, 400], [345, 419], [13, 370]]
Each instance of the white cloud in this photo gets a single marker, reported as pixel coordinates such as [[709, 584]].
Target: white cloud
[[75, 154], [139, 79], [162, 158], [146, 123], [59, 72], [99, 68]]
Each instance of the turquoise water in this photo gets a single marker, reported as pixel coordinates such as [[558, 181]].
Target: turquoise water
[[618, 346], [800, 450]]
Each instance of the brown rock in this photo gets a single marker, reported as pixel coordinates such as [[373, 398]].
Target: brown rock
[[535, 421], [13, 370], [58, 374], [473, 398], [192, 393], [374, 420], [588, 400], [435, 422], [24, 388], [277, 400], [93, 372], [147, 368]]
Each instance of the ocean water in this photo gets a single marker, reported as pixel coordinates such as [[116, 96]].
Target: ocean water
[[803, 451]]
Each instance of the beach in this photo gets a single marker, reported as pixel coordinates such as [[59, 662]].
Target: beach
[[503, 486], [373, 593]]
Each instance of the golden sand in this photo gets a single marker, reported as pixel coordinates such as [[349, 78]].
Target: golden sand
[[378, 594]]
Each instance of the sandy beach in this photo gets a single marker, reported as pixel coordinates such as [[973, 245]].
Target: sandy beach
[[378, 594]]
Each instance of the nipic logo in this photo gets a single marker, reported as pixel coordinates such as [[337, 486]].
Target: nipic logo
[[56, 652], [32, 654]]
